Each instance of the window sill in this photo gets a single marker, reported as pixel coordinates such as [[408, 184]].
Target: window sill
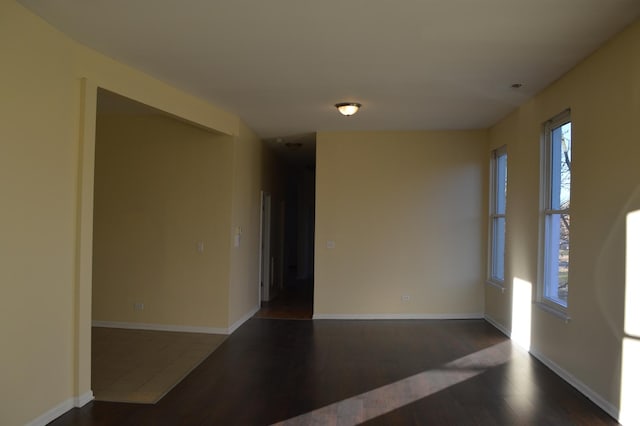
[[554, 311], [499, 285]]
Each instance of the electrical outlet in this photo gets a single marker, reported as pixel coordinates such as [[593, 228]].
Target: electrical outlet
[[405, 298], [138, 306]]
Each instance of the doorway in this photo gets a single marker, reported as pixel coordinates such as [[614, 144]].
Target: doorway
[[290, 272]]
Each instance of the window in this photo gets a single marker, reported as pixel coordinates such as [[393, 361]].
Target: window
[[556, 187], [497, 214]]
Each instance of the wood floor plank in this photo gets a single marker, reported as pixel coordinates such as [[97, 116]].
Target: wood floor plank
[[328, 372]]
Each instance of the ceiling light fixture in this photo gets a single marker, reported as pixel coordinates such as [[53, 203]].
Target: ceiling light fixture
[[348, 108]]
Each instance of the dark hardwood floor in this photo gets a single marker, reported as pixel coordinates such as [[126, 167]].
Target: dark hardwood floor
[[345, 372], [294, 302]]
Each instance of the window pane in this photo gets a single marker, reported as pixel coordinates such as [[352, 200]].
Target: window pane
[[497, 266], [556, 196], [501, 184], [560, 167], [557, 258], [498, 208], [563, 259]]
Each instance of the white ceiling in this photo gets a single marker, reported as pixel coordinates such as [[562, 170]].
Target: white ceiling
[[413, 64]]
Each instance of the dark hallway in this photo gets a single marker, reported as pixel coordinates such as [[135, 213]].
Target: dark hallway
[[291, 295], [295, 301]]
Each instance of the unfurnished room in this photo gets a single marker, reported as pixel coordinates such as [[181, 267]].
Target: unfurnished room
[[330, 213]]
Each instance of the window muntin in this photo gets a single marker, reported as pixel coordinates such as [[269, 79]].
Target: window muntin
[[557, 218], [498, 214]]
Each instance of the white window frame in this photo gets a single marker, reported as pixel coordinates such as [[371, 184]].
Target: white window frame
[[547, 249], [495, 261]]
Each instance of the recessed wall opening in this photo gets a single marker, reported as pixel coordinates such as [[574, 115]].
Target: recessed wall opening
[[160, 248]]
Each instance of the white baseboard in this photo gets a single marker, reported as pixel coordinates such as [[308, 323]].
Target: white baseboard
[[82, 400], [61, 409], [497, 325], [242, 320], [160, 327], [396, 316], [52, 414], [564, 374], [608, 407], [179, 328]]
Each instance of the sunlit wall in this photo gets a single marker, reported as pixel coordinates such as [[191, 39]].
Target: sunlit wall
[[603, 93], [630, 383], [521, 313]]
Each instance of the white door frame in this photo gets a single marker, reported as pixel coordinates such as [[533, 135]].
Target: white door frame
[[264, 275]]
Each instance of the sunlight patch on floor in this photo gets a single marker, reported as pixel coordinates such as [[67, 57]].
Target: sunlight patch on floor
[[385, 399]]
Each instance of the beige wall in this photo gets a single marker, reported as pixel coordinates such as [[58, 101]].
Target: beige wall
[[161, 187], [45, 306], [38, 168], [407, 213], [603, 93], [247, 176]]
